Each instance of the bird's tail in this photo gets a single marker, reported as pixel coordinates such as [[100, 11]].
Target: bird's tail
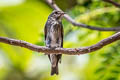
[[54, 59], [54, 70]]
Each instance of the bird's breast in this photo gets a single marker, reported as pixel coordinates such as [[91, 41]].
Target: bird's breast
[[55, 33]]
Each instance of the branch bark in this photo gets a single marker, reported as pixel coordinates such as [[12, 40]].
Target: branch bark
[[69, 51], [72, 21], [113, 2]]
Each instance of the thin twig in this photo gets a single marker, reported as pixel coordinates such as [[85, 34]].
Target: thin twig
[[68, 18], [69, 51], [113, 3]]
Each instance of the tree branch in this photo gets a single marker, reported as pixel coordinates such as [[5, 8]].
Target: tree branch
[[68, 18], [112, 2], [69, 51]]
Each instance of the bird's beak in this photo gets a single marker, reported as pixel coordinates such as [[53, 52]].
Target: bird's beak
[[63, 13]]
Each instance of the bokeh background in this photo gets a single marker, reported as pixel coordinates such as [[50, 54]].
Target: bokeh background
[[25, 20]]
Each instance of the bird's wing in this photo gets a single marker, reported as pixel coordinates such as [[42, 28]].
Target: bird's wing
[[45, 30], [59, 56], [62, 34], [45, 33]]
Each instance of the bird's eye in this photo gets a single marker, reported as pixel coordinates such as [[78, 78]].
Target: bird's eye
[[56, 12]]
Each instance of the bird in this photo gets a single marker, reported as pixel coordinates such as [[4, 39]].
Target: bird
[[54, 38]]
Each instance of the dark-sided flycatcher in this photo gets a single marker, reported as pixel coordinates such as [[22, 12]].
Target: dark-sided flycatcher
[[54, 37]]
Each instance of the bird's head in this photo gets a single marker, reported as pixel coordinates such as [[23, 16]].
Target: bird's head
[[57, 15]]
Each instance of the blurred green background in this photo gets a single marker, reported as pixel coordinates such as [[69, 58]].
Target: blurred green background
[[25, 20]]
